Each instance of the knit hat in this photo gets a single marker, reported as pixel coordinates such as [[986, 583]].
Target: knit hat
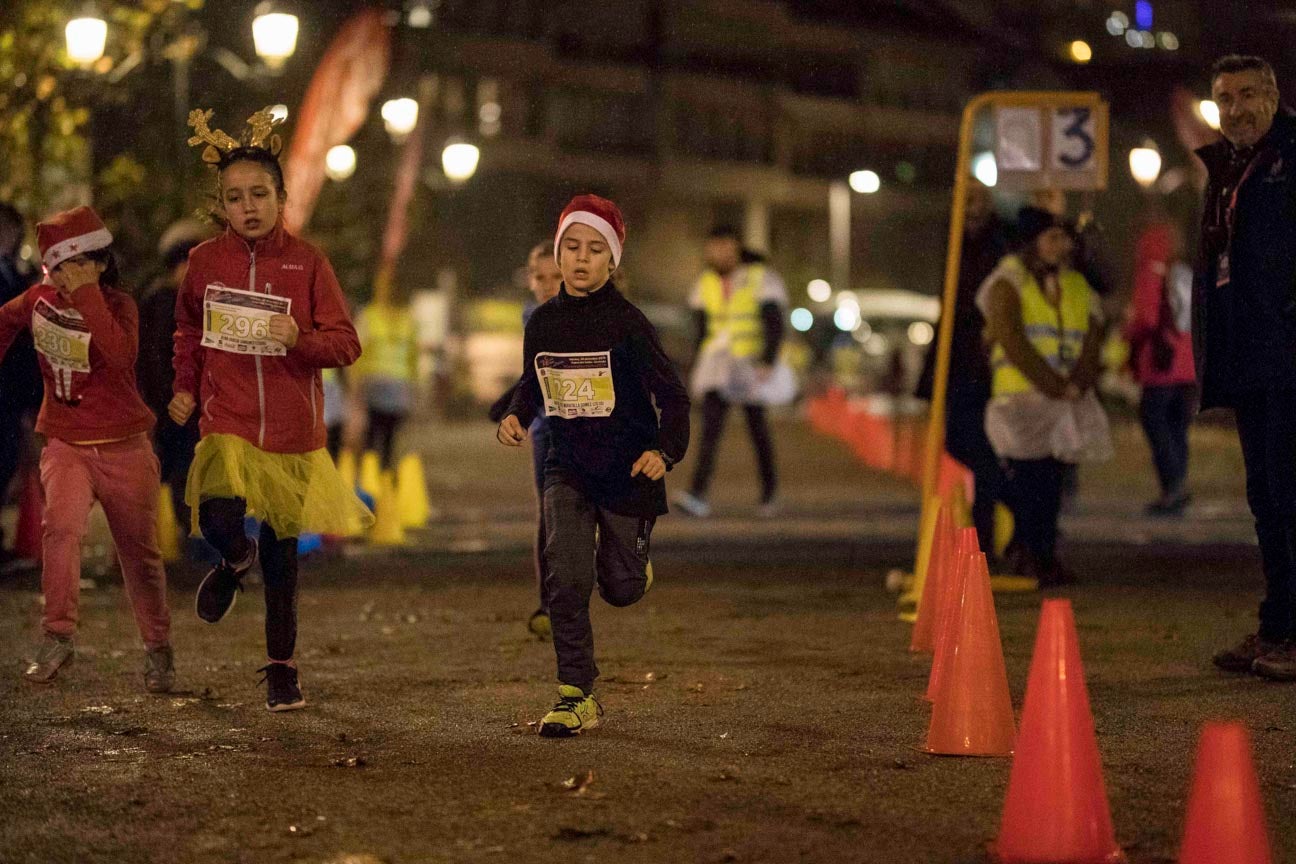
[[1034, 221], [69, 234], [598, 213]]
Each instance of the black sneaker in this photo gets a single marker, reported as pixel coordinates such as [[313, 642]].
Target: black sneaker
[[282, 692], [221, 585]]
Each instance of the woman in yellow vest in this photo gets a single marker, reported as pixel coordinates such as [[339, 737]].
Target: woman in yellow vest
[[1044, 326], [387, 370]]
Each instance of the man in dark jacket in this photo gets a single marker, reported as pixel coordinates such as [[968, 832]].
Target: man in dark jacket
[[20, 378], [1245, 331]]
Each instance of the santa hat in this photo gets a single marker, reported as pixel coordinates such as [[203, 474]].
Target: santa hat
[[69, 234], [598, 213]]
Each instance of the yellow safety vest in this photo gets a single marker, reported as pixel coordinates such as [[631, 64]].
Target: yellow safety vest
[[388, 339], [738, 316], [1056, 332]]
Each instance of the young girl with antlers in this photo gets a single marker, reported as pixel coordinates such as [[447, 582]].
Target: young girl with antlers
[[258, 317]]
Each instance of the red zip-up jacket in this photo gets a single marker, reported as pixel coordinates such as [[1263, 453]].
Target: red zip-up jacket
[[1153, 254], [102, 404], [276, 403]]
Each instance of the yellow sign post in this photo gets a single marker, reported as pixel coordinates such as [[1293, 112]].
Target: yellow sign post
[[1043, 140]]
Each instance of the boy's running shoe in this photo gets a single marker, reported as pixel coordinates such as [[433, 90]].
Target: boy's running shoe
[[574, 713], [540, 626], [217, 591], [159, 670], [54, 653], [282, 692]]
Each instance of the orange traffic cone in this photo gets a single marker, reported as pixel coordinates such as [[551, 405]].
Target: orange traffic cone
[[947, 612], [940, 564], [1056, 808], [974, 714], [31, 512], [1225, 823]]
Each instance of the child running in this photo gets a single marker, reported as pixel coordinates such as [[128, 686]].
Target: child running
[[595, 363], [260, 313], [96, 425]]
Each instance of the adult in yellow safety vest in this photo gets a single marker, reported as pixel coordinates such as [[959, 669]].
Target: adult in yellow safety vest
[[386, 371], [739, 306], [1044, 326]]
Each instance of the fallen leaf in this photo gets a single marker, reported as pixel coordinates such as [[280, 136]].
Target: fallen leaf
[[724, 735], [578, 786]]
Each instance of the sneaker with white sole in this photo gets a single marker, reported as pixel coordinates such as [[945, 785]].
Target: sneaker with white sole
[[282, 690], [574, 714], [693, 505]]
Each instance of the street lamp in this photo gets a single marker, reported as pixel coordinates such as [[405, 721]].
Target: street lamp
[[985, 169], [275, 36], [339, 162], [865, 182], [400, 116], [1080, 51], [85, 38], [1208, 111], [1145, 164], [459, 161]]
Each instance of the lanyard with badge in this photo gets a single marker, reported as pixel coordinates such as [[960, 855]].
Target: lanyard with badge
[[1223, 273]]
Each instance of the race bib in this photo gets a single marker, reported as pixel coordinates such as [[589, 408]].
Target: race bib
[[239, 321], [61, 336], [576, 385]]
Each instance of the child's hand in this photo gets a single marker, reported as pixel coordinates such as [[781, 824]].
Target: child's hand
[[284, 330], [510, 432], [73, 274], [650, 464], [181, 407]]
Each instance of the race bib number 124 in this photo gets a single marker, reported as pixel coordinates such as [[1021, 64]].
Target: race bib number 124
[[576, 385]]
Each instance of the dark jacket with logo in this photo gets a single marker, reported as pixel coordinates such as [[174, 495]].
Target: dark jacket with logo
[[595, 454], [1244, 331]]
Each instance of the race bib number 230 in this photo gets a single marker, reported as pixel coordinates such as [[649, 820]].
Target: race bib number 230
[[576, 385]]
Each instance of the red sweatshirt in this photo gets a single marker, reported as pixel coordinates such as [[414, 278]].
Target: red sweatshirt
[[87, 357], [1153, 254], [276, 403]]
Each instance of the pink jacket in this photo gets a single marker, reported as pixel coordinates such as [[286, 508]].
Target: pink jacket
[[1153, 255]]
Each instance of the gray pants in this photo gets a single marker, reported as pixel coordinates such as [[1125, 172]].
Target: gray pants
[[586, 545]]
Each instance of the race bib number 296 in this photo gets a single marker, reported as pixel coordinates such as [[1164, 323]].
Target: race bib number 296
[[576, 385], [239, 321]]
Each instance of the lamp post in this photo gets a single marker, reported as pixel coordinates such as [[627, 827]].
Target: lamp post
[[400, 116], [85, 39], [864, 182], [1145, 164], [459, 161], [275, 36]]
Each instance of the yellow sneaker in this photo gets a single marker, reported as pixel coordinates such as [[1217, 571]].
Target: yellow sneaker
[[574, 713]]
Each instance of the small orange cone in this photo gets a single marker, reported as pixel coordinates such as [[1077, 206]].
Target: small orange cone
[[939, 566], [947, 610], [31, 513], [974, 713], [1225, 823], [1056, 809]]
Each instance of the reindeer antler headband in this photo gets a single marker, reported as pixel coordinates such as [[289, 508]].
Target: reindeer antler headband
[[259, 133]]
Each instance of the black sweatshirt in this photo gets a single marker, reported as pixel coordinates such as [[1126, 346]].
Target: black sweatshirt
[[595, 453]]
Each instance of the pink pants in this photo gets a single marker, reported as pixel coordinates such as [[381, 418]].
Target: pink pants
[[124, 477]]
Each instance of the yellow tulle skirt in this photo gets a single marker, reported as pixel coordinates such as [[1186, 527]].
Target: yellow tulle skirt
[[294, 493]]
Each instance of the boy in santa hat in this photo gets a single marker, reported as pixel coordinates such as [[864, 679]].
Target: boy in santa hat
[[596, 365], [96, 425]]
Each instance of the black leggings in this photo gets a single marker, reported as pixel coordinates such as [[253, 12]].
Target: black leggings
[[221, 522], [382, 434], [714, 410]]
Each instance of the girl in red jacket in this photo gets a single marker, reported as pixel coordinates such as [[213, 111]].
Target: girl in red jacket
[[97, 445], [259, 315]]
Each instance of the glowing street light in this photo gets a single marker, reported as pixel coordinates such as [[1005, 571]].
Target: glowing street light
[[275, 36], [1208, 111], [85, 39], [802, 319], [865, 182], [400, 116], [339, 162], [985, 169], [1145, 164], [459, 161], [819, 290], [1080, 51]]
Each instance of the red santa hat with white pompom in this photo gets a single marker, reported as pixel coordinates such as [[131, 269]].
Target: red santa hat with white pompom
[[598, 213], [69, 234]]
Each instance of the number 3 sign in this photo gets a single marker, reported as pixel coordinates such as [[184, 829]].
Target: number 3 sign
[[1060, 144]]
